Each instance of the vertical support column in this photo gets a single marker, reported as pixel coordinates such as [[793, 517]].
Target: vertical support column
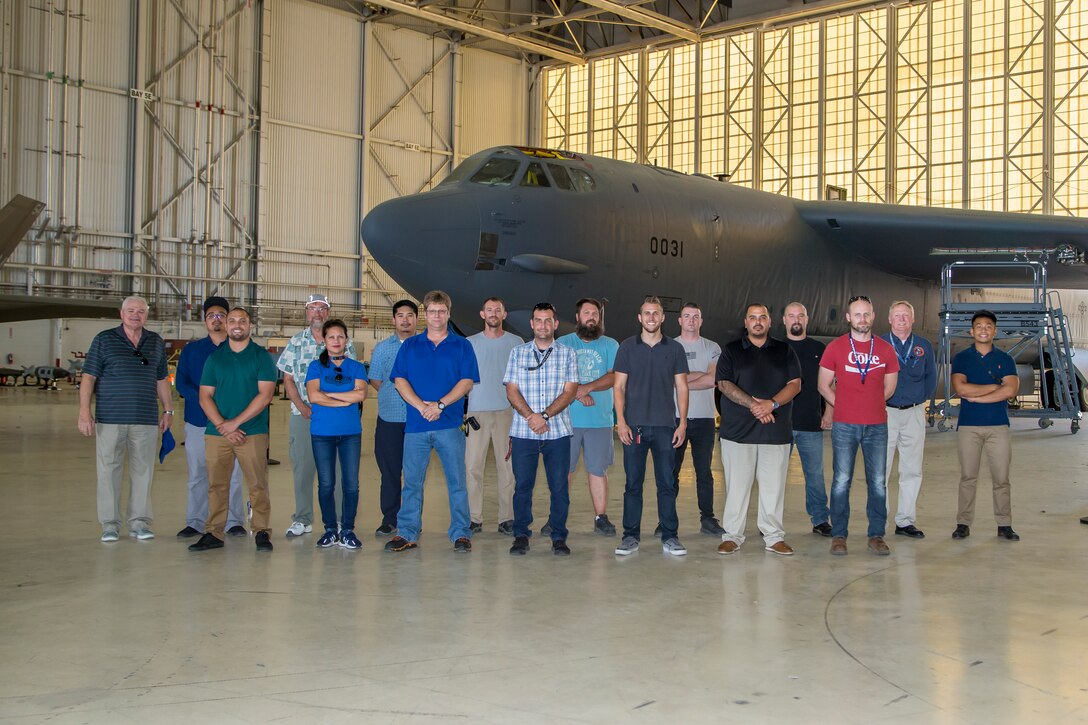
[[264, 103], [757, 108], [790, 105], [965, 173], [457, 95], [6, 116], [698, 101], [821, 111], [364, 154], [535, 113], [929, 106], [136, 175], [854, 108], [1005, 85], [891, 118], [642, 105], [1049, 40]]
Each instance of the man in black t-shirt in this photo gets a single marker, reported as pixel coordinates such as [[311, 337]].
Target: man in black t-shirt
[[810, 419]]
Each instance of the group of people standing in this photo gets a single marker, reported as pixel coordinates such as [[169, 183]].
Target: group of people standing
[[551, 399]]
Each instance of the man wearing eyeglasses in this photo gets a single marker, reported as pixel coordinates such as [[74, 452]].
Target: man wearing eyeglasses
[[294, 362], [858, 373], [541, 381], [187, 381], [125, 372]]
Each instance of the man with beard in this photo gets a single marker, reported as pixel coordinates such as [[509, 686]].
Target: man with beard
[[303, 348], [541, 380], [759, 377], [858, 373], [392, 413], [810, 418], [236, 386], [488, 406], [190, 367], [907, 412], [650, 369], [591, 411]]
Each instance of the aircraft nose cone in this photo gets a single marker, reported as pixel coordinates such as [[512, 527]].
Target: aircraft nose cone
[[413, 237]]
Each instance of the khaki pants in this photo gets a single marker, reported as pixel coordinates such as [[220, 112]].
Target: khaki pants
[[996, 442], [252, 457], [112, 441], [494, 432], [907, 434], [747, 462]]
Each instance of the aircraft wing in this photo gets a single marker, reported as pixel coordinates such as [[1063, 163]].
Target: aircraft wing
[[900, 239]]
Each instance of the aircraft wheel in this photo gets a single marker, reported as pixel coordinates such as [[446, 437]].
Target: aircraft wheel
[[1045, 422]]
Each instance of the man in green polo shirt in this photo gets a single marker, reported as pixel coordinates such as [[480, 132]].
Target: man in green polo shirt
[[236, 387]]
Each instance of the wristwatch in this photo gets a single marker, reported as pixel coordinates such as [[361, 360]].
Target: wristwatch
[[545, 415], [441, 405], [775, 405]]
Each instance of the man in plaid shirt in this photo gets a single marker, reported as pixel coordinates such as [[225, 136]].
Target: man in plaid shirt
[[541, 381]]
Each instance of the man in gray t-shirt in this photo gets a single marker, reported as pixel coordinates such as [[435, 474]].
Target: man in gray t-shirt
[[488, 406]]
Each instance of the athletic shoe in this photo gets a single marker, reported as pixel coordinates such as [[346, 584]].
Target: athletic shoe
[[520, 547], [264, 543], [507, 528], [297, 528], [823, 529], [237, 530], [475, 527], [205, 542], [142, 533], [603, 527], [628, 546], [399, 543], [385, 530], [673, 546], [349, 540], [329, 539], [560, 548], [462, 545], [109, 536], [711, 527], [188, 532]]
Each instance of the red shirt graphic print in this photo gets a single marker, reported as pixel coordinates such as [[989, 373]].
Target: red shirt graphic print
[[857, 402]]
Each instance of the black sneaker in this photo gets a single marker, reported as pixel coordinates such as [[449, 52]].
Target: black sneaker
[[262, 541], [603, 527], [506, 528], [475, 527], [238, 530], [205, 542], [399, 543], [546, 529], [560, 548], [520, 546], [1006, 532], [711, 527], [962, 531], [909, 530], [823, 529], [462, 545], [385, 530], [188, 532]]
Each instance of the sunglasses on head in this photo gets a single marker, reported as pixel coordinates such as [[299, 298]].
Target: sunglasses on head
[[856, 298]]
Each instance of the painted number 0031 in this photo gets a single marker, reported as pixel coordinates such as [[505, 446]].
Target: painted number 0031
[[666, 247]]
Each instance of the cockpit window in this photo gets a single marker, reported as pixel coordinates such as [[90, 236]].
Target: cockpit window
[[562, 179], [582, 180], [498, 171], [464, 169], [534, 176]]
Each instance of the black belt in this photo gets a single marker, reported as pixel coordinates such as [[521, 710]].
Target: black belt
[[903, 407]]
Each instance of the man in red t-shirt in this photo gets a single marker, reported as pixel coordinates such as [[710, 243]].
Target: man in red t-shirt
[[858, 373]]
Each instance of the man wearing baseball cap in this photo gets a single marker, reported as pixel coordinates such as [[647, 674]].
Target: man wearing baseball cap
[[190, 367], [304, 348]]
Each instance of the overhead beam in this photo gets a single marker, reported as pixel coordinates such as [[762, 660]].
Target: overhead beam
[[436, 16], [549, 21], [648, 18]]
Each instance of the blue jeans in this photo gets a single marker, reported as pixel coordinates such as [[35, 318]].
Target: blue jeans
[[449, 444], [873, 439], [524, 458], [810, 449], [702, 436], [326, 449], [658, 440]]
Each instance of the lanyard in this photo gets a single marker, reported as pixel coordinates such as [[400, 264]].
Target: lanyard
[[904, 359], [863, 371], [539, 359]]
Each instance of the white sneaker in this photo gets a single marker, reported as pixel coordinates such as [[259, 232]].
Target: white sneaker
[[673, 546], [142, 534], [298, 528], [108, 536]]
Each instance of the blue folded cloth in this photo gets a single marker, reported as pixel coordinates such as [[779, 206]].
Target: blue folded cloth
[[168, 445]]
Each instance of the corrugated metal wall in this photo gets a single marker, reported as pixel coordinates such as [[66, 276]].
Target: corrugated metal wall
[[184, 193]]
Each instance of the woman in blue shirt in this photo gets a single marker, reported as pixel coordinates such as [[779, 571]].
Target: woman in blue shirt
[[336, 387]]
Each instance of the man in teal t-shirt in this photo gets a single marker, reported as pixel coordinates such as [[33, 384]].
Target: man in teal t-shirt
[[591, 412], [237, 384]]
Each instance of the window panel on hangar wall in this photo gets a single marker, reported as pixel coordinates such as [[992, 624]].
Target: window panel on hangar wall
[[603, 141], [627, 107], [714, 89], [912, 103], [946, 104], [556, 93], [740, 108], [1070, 108], [670, 108], [790, 157]]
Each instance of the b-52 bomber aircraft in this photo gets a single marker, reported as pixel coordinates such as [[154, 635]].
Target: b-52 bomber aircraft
[[530, 225]]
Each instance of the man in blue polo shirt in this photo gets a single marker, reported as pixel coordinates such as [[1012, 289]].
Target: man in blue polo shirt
[[125, 371], [187, 381], [985, 379], [433, 371]]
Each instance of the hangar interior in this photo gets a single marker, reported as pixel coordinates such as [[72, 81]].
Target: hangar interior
[[233, 147]]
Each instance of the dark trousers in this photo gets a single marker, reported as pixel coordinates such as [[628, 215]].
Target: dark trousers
[[389, 454], [525, 456], [702, 436], [656, 440]]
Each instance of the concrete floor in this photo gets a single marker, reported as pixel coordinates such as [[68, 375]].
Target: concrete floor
[[979, 631]]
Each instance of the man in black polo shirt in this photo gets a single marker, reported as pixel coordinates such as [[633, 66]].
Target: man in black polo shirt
[[649, 369], [125, 371], [759, 377]]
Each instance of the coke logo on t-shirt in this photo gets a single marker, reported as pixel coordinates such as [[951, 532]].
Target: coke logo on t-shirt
[[862, 358]]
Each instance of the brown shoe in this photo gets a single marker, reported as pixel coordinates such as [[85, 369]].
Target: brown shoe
[[781, 548], [728, 547], [838, 546], [878, 547]]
